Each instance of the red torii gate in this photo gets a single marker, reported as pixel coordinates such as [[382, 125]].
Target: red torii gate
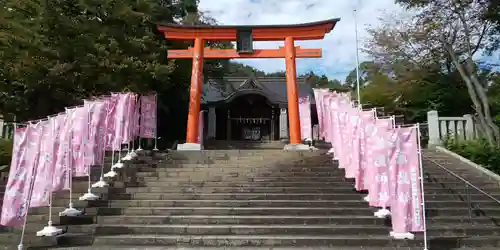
[[244, 36]]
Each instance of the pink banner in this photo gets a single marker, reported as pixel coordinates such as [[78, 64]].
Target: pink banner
[[305, 118], [97, 128], [79, 132], [136, 119], [354, 124], [318, 97], [45, 169], [327, 129], [63, 127], [121, 113], [367, 123], [129, 118], [407, 214], [24, 162], [337, 107], [378, 172], [148, 116], [111, 121], [344, 133]]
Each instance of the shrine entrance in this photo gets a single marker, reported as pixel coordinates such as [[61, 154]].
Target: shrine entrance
[[251, 117], [244, 36]]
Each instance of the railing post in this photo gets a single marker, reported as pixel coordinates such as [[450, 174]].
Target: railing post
[[1, 128], [433, 128], [469, 127]]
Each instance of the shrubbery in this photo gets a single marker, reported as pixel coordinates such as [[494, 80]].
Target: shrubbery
[[478, 151], [5, 151]]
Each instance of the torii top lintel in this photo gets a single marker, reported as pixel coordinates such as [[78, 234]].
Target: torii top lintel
[[304, 31]]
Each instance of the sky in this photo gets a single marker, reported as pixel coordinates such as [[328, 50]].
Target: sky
[[339, 46]]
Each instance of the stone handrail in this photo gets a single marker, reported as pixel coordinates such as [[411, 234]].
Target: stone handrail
[[6, 129], [459, 128]]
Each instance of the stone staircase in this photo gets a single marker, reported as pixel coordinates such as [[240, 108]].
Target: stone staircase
[[225, 145], [258, 199]]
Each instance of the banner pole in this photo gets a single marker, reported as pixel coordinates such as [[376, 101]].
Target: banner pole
[[131, 144], [120, 138], [89, 196], [112, 172], [50, 230], [30, 192], [140, 123], [70, 211], [419, 145], [156, 123], [103, 136]]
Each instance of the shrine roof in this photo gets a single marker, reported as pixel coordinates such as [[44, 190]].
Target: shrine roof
[[273, 88], [302, 31]]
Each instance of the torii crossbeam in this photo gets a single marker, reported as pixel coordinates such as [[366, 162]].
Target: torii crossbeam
[[244, 37]]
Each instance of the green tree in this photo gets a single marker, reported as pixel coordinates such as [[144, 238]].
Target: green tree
[[368, 71], [56, 53], [441, 36], [317, 81]]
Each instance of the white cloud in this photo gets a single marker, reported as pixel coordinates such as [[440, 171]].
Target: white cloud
[[339, 47]]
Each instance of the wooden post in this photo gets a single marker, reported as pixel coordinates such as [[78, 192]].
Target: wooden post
[[195, 92], [292, 92]]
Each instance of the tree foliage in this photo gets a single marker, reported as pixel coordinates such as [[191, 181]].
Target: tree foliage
[[443, 36], [56, 53]]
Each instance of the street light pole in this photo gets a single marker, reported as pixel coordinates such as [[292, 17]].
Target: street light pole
[[357, 58]]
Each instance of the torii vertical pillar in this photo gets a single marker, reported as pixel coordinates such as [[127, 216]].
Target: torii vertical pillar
[[293, 97], [194, 97]]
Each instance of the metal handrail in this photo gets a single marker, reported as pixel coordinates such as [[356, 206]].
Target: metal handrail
[[467, 184]]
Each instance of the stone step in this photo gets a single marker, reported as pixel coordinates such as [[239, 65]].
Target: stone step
[[207, 173], [108, 247], [319, 229], [336, 242], [264, 166], [455, 225], [265, 193], [340, 185], [347, 211], [265, 169], [268, 168], [247, 240], [228, 178], [11, 240], [236, 152], [283, 219], [306, 201], [336, 195], [275, 161], [214, 187]]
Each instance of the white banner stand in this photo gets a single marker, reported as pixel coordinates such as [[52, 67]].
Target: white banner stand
[[70, 211], [50, 230], [112, 173], [101, 183]]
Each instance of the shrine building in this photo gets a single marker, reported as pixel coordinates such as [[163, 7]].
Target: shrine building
[[250, 108]]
